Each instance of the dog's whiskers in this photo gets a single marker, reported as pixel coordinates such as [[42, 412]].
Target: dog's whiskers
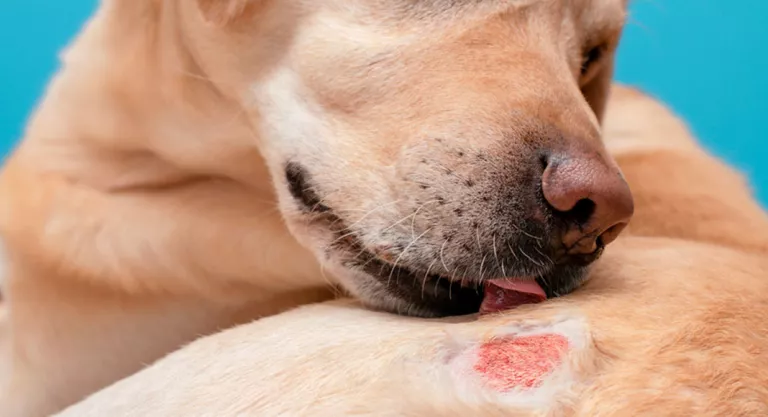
[[394, 265], [482, 263], [496, 255], [437, 283], [371, 211], [442, 258], [340, 238], [406, 217], [512, 251], [350, 228], [546, 257], [530, 258], [415, 213], [426, 276], [536, 238], [453, 280]]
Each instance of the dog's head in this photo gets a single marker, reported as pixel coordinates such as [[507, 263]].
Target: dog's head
[[423, 147]]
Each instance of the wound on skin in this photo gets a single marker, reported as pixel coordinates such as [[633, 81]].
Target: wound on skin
[[520, 362]]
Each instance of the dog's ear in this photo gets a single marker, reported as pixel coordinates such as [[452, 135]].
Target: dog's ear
[[225, 12], [597, 90]]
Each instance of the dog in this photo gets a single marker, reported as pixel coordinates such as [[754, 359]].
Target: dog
[[198, 164], [671, 322]]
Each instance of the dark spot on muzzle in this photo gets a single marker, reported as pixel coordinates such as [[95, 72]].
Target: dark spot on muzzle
[[301, 188]]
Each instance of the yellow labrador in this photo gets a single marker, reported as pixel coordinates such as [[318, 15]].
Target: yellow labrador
[[196, 161], [670, 323]]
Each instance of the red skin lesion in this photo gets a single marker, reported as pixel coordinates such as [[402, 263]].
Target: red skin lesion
[[520, 362]]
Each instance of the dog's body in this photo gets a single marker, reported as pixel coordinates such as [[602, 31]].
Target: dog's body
[[637, 347], [671, 323], [195, 162]]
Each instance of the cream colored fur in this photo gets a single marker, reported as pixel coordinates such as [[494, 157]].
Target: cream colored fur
[[671, 323], [148, 203]]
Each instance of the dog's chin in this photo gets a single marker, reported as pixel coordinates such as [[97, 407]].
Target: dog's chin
[[420, 292], [402, 290]]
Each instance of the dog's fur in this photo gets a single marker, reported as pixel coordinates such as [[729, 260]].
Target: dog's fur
[[671, 322], [162, 184]]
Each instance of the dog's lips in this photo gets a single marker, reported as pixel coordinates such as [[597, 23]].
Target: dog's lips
[[498, 294], [506, 294]]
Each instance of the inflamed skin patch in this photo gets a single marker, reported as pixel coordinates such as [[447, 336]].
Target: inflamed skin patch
[[520, 362], [524, 365]]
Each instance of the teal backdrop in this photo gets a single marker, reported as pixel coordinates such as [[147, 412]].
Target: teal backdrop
[[706, 58]]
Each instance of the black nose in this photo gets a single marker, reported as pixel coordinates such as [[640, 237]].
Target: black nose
[[589, 194]]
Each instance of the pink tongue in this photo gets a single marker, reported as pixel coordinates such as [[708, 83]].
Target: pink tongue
[[505, 294], [528, 286]]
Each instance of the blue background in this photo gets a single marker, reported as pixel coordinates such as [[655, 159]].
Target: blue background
[[705, 58]]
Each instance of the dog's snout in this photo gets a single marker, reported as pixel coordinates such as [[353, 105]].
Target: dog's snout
[[588, 193]]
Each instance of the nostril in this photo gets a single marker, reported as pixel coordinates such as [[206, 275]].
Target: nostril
[[582, 212], [588, 198]]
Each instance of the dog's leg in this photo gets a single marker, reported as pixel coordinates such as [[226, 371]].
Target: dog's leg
[[203, 237], [98, 287]]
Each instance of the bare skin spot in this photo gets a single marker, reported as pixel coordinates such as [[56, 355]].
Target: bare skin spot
[[520, 362]]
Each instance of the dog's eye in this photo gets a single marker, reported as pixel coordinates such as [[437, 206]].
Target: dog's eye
[[590, 60]]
